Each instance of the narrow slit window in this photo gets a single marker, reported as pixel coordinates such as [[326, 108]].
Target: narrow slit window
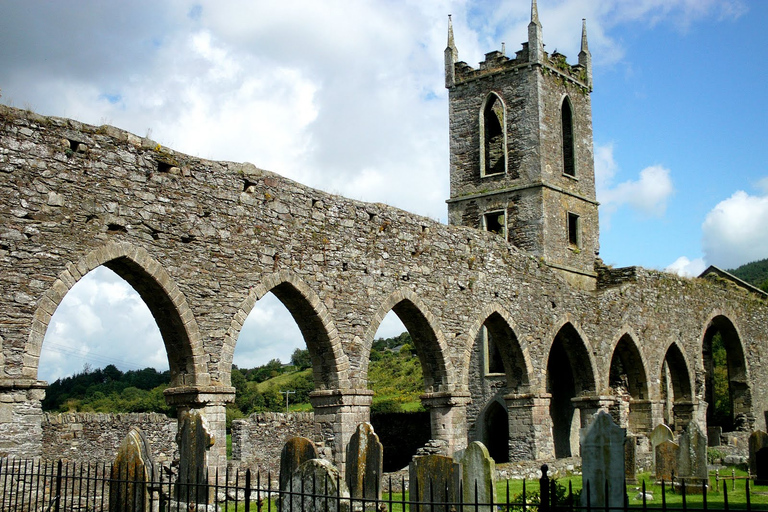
[[495, 222], [569, 165], [492, 354], [574, 230], [493, 151]]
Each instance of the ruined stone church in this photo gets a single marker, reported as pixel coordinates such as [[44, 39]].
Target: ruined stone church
[[522, 333]]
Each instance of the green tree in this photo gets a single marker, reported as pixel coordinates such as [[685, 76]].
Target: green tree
[[301, 359]]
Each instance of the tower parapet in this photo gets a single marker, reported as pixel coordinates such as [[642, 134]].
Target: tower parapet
[[522, 162]]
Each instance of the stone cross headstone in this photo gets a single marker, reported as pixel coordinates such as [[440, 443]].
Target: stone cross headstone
[[296, 451], [757, 441], [666, 460], [478, 476], [131, 474], [659, 434], [692, 458], [602, 460], [316, 485], [630, 460], [194, 441], [365, 456], [434, 478]]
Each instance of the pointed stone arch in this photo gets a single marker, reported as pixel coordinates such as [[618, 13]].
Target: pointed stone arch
[[329, 362], [515, 354], [166, 302], [676, 390], [494, 430], [628, 382], [493, 136], [740, 416], [570, 376], [427, 338], [567, 137]]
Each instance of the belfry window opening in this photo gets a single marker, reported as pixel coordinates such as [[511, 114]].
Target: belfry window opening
[[496, 222], [493, 150], [566, 121]]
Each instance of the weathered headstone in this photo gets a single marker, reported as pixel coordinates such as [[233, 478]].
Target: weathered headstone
[[131, 474], [296, 451], [316, 485], [602, 461], [666, 460], [194, 442], [365, 456], [761, 465], [692, 458], [630, 459], [434, 479], [478, 475], [757, 441], [659, 434], [713, 436]]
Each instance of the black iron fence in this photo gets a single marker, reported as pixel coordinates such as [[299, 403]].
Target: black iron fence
[[68, 486]]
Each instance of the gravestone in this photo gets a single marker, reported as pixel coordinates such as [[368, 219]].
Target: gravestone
[[131, 474], [692, 458], [659, 434], [761, 465], [296, 451], [365, 456], [630, 460], [713, 436], [316, 486], [434, 478], [666, 460], [757, 441], [194, 442], [478, 476], [602, 461]]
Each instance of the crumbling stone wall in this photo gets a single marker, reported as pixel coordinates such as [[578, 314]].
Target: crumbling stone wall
[[96, 437], [202, 241], [258, 440]]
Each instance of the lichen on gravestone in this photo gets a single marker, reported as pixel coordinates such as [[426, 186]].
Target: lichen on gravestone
[[132, 471], [365, 456], [296, 451]]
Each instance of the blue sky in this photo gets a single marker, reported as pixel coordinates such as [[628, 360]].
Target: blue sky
[[349, 97]]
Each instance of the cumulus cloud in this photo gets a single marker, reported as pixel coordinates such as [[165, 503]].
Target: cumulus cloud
[[734, 232], [647, 195], [686, 267]]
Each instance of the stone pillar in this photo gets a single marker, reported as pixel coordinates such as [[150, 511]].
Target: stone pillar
[[641, 417], [338, 412], [208, 403], [684, 412], [588, 407], [21, 415], [530, 429], [448, 418]]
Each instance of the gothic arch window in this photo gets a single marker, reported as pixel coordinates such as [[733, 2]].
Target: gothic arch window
[[493, 141], [566, 123]]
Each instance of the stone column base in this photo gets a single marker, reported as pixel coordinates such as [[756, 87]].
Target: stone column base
[[530, 428], [448, 418]]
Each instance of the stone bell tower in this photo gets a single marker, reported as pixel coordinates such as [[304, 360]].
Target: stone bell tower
[[522, 162]]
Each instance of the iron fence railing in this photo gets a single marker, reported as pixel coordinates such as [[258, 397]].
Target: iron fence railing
[[28, 486]]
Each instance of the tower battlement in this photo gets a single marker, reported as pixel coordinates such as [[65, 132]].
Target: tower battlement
[[496, 62]]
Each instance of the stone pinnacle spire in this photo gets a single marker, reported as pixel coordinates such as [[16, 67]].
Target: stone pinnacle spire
[[535, 40], [451, 57], [585, 58]]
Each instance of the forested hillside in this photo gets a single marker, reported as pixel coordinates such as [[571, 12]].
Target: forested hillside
[[755, 273], [394, 375]]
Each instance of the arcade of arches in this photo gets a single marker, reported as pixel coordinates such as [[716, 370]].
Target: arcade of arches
[[509, 350]]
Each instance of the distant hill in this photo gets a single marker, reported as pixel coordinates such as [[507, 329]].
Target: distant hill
[[755, 273]]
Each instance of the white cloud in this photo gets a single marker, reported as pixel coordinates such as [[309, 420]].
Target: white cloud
[[734, 232], [647, 195], [686, 267]]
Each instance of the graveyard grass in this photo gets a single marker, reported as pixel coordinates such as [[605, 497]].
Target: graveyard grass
[[514, 488]]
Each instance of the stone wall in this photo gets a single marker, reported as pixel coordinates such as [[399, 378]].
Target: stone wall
[[96, 437], [203, 241], [258, 440]]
